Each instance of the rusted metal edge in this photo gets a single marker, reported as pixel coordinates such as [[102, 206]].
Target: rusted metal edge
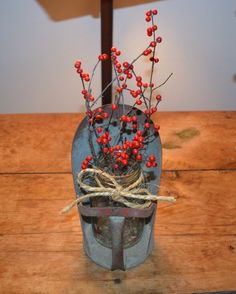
[[116, 211]]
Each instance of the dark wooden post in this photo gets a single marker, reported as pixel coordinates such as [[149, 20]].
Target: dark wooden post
[[106, 44]]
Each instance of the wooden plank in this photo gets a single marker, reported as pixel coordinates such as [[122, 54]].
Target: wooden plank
[[41, 251], [205, 204], [191, 140], [177, 265], [37, 142], [198, 140]]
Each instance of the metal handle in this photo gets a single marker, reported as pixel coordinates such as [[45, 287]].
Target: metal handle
[[117, 228]]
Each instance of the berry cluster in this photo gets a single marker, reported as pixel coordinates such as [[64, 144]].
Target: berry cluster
[[86, 162], [120, 151], [84, 76], [151, 162]]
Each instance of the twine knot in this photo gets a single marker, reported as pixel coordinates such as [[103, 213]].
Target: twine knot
[[115, 191]]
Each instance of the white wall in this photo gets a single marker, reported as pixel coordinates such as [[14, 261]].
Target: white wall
[[37, 54]]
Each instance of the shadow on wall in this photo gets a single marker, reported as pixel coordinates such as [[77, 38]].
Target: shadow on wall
[[234, 78], [59, 10]]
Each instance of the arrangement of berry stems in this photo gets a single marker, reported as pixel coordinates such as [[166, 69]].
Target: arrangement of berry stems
[[117, 138]]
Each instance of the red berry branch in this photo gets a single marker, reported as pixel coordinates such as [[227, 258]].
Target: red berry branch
[[128, 143]]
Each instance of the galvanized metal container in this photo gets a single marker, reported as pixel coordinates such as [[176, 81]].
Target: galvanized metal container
[[115, 236]]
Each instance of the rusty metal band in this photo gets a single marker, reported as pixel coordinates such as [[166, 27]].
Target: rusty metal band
[[116, 211]]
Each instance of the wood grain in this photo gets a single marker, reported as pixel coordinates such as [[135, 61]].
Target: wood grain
[[205, 204], [191, 140], [41, 251], [177, 265]]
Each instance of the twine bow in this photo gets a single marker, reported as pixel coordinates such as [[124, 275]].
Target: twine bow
[[115, 191]]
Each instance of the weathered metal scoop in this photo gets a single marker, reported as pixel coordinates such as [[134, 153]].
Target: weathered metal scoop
[[116, 237]]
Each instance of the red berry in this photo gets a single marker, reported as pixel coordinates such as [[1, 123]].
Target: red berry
[[154, 164], [147, 125], [85, 162], [89, 157], [100, 110], [87, 79], [125, 64], [83, 166], [158, 97], [118, 65], [145, 85], [153, 109], [105, 150], [134, 126], [129, 75], [99, 129], [128, 144], [117, 147], [77, 64], [104, 141], [128, 119], [114, 107], [119, 159], [116, 166], [139, 133], [121, 78], [154, 12], [139, 157], [105, 56], [141, 139], [123, 118], [135, 151], [154, 28], [84, 92], [118, 52], [148, 164], [148, 13], [124, 86], [113, 49], [124, 161], [111, 149], [134, 118], [99, 140], [149, 31], [139, 84], [156, 60], [133, 93], [156, 127], [153, 44], [148, 18], [159, 39], [105, 115], [135, 144], [98, 117], [119, 90], [139, 102], [152, 157]]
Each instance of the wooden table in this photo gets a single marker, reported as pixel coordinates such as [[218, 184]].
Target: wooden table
[[195, 242]]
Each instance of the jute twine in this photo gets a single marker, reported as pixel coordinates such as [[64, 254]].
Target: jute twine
[[115, 191]]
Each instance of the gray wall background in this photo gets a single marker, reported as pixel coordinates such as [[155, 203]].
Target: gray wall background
[[40, 40]]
